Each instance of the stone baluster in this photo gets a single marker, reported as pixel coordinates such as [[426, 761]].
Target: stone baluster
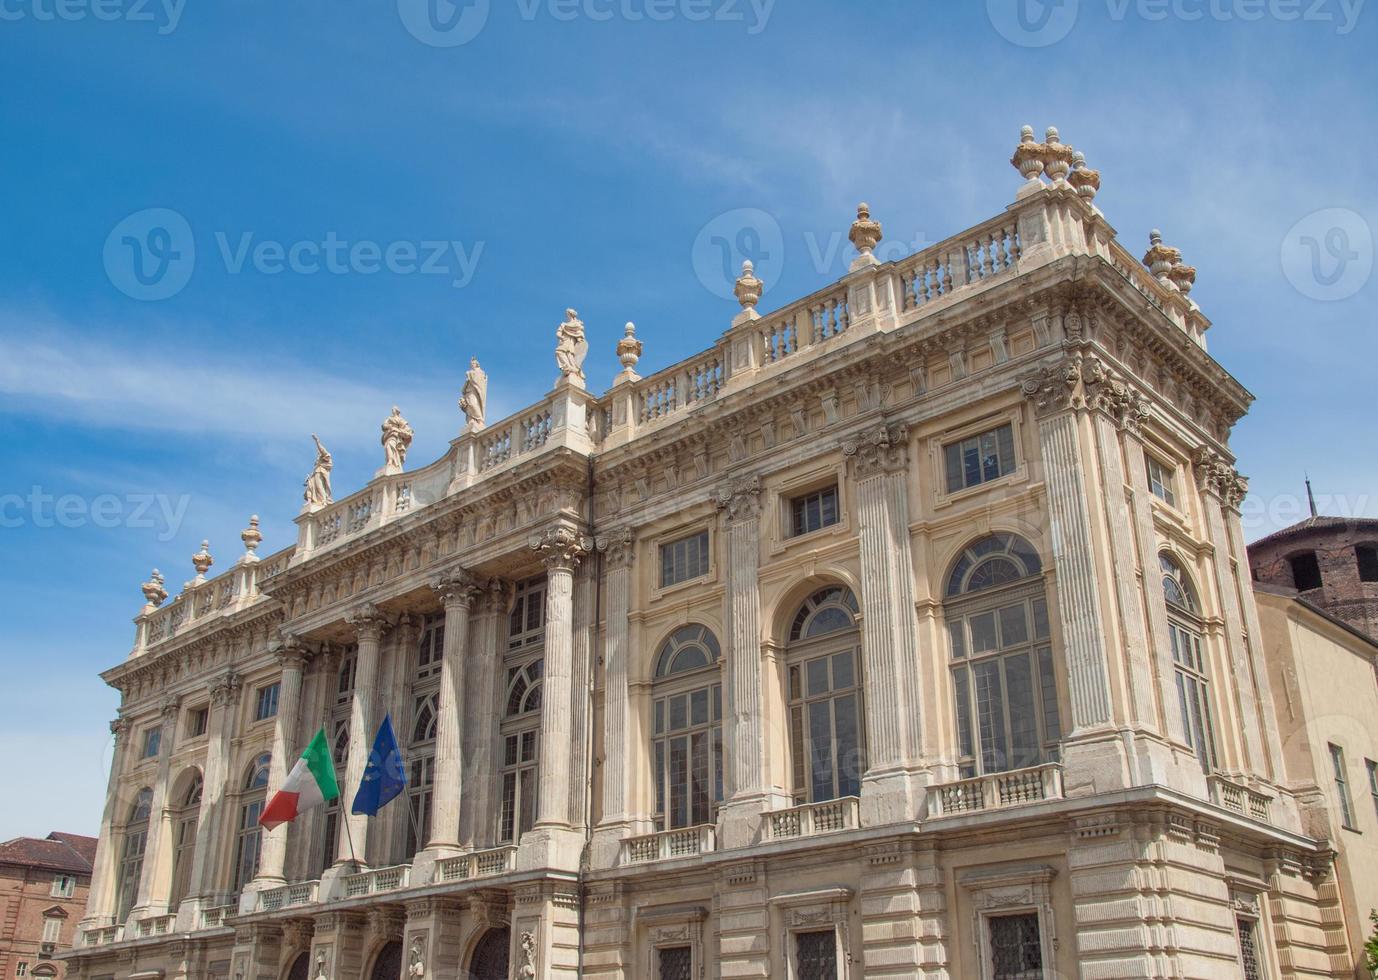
[[483, 696], [206, 881], [619, 550], [157, 869], [369, 625], [100, 905], [292, 658], [457, 590]]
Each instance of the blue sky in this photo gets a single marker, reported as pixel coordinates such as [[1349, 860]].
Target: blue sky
[[577, 150]]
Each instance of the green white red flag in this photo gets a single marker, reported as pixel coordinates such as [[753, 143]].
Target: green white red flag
[[310, 783]]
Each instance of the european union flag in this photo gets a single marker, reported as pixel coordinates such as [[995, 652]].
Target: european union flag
[[385, 776]]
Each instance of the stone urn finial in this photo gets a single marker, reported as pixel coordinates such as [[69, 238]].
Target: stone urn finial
[[203, 561], [865, 233], [1057, 157], [1182, 276], [1160, 258], [1083, 179], [748, 289], [155, 594], [1028, 155], [251, 536], [629, 349]]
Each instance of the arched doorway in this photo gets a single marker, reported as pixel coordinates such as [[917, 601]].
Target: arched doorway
[[301, 968], [387, 965], [489, 961]]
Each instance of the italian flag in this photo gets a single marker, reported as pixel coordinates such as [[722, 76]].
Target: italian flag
[[310, 783]]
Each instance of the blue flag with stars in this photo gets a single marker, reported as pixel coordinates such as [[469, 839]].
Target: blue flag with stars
[[385, 776]]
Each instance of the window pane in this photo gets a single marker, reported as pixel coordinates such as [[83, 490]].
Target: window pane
[[954, 467], [990, 717], [962, 695], [797, 748], [957, 633], [1024, 740], [529, 792], [679, 778], [698, 707], [983, 632], [817, 676], [971, 462], [1052, 724], [990, 458], [849, 762], [821, 739], [1014, 626], [844, 674], [1004, 438], [699, 792], [1040, 615]]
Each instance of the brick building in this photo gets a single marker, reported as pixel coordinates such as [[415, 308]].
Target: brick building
[[43, 884], [1332, 562]]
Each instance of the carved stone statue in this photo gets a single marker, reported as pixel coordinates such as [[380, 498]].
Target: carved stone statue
[[318, 483], [415, 968], [570, 348], [397, 436], [473, 400], [320, 965], [527, 971]]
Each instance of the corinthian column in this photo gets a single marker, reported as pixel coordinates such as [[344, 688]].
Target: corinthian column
[[292, 657], [482, 697], [369, 625], [100, 905], [618, 550], [457, 590], [157, 870]]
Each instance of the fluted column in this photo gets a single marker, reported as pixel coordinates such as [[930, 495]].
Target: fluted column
[[291, 657], [100, 905], [457, 590], [561, 549], [483, 695], [369, 625], [157, 852], [618, 552], [206, 883], [739, 503]]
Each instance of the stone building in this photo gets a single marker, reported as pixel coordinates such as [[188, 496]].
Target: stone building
[[907, 631], [43, 885], [1331, 561]]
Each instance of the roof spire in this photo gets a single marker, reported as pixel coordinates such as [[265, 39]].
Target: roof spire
[[1310, 497]]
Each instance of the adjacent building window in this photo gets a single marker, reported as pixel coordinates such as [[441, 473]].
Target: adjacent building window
[[1002, 657], [1337, 763], [153, 740], [65, 886], [815, 955], [197, 721], [1189, 666], [132, 854], [431, 650], [1016, 947], [520, 755], [979, 459], [52, 930], [526, 626], [687, 735], [21, 969], [421, 770], [813, 511], [1372, 782], [1306, 571], [1366, 556], [826, 749], [249, 840], [684, 559], [266, 701], [184, 843], [1161, 479]]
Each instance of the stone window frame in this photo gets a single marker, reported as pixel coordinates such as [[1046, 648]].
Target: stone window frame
[[1247, 901], [670, 926], [781, 496], [937, 443], [815, 911], [1011, 890], [198, 714], [673, 535], [1172, 469]]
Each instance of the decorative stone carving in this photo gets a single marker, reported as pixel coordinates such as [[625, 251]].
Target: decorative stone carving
[[561, 547], [527, 970], [1214, 475], [289, 651], [473, 399], [167, 708], [416, 967], [617, 547], [882, 449], [1106, 391], [396, 440], [1182, 276], [748, 290], [119, 727], [1055, 387], [1083, 179], [739, 498], [1161, 258], [321, 965], [155, 594], [368, 621], [202, 562], [1057, 157], [317, 492], [252, 537], [1028, 155], [457, 586], [225, 689], [570, 348], [629, 351], [865, 233]]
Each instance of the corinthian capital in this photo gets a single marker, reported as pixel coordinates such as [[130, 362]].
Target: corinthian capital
[[1055, 387], [290, 651], [561, 547], [368, 621], [617, 547], [740, 499], [882, 449], [167, 708], [225, 688], [119, 727], [1215, 475], [1107, 392], [457, 587]]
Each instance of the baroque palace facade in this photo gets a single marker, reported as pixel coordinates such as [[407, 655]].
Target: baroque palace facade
[[907, 632]]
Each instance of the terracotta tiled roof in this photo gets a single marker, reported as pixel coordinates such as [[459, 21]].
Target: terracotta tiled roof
[[58, 851]]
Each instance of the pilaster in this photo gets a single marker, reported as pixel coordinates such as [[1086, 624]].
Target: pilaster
[[483, 695], [207, 882], [457, 590], [618, 549], [100, 905], [369, 626], [292, 658], [157, 870]]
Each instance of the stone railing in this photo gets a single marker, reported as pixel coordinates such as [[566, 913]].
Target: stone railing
[[158, 925], [214, 918], [802, 325], [996, 791], [375, 880], [811, 819], [979, 254], [288, 896], [101, 937], [681, 386], [1242, 800], [479, 864], [223, 594], [670, 844]]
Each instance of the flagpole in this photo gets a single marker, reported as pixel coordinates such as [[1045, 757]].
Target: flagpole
[[344, 817]]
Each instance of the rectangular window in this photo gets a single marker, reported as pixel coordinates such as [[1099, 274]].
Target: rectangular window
[[1366, 557], [431, 652], [517, 812], [688, 757], [21, 969], [266, 702], [815, 954], [153, 740], [420, 797], [684, 559], [65, 886], [813, 511], [1192, 693], [1160, 480], [825, 728], [979, 459], [1016, 947], [1372, 781], [52, 930], [1337, 761], [526, 626], [676, 963], [197, 721], [1248, 949]]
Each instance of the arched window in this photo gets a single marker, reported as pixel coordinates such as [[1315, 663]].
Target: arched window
[[132, 854], [1189, 667], [686, 740], [1002, 657], [520, 742], [184, 844], [250, 837], [826, 748]]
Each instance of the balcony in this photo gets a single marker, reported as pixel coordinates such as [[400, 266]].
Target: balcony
[[479, 864], [996, 791], [214, 918], [376, 880], [101, 937], [1240, 799], [813, 819], [670, 844], [288, 896], [158, 925]]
